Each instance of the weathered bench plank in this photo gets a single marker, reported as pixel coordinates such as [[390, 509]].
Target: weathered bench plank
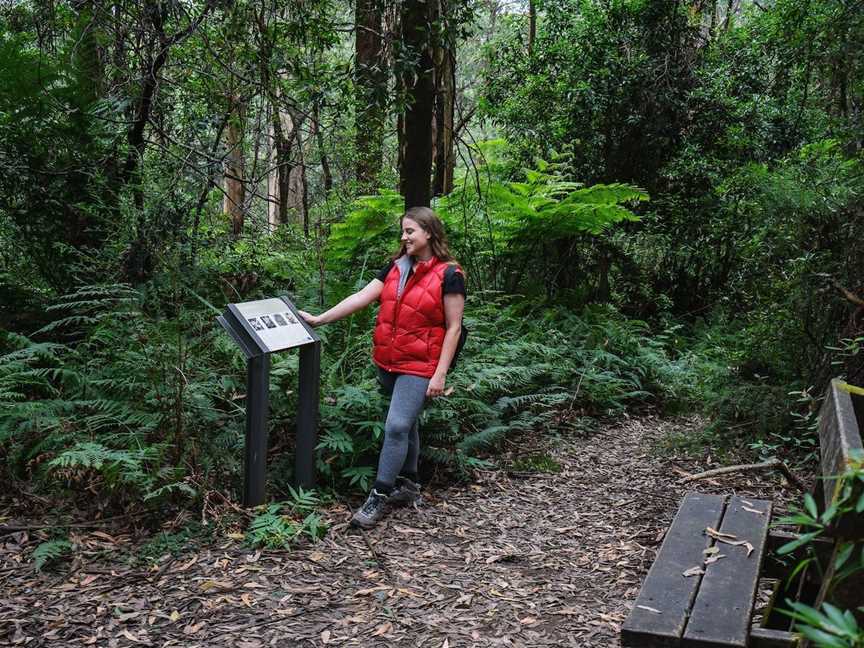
[[722, 610], [765, 638], [839, 437], [666, 589]]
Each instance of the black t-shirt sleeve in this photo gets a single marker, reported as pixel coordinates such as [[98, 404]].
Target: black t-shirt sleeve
[[454, 282], [381, 276]]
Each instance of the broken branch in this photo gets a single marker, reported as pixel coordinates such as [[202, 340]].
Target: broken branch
[[765, 465]]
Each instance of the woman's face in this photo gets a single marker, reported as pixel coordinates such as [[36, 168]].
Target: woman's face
[[416, 239]]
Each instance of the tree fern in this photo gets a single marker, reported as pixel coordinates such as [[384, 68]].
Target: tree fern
[[371, 223]]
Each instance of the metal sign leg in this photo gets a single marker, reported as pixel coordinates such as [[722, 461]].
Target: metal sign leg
[[307, 414], [257, 406]]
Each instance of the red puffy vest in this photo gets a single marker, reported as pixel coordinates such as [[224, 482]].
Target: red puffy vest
[[410, 330]]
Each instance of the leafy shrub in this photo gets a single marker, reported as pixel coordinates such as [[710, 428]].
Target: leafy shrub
[[526, 367], [829, 626], [123, 404]]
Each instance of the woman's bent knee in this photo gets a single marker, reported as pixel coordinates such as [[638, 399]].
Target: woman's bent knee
[[399, 429]]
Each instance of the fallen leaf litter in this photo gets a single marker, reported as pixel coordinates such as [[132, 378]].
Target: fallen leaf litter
[[512, 560]]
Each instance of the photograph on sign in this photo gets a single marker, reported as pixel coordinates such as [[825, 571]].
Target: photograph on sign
[[277, 327]]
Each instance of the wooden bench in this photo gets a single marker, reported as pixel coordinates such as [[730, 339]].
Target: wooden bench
[[691, 598]]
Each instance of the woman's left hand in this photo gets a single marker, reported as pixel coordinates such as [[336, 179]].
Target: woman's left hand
[[436, 386]]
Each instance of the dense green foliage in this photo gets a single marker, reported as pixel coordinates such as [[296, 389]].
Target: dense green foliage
[[830, 627], [745, 131], [657, 204]]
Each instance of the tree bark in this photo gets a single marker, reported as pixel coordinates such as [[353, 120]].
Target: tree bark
[[532, 25], [287, 186], [297, 199], [419, 84], [282, 128], [235, 190], [322, 151], [445, 101], [728, 20], [370, 82]]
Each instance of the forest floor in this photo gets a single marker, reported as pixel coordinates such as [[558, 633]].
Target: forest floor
[[514, 559]]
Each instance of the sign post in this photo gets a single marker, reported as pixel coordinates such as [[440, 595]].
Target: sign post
[[260, 328]]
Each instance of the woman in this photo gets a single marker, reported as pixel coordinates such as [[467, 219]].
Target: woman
[[422, 295]]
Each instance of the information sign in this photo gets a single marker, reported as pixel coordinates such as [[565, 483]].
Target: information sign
[[260, 328], [277, 327]]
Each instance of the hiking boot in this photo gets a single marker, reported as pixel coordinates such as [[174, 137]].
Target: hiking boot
[[405, 492], [371, 511]]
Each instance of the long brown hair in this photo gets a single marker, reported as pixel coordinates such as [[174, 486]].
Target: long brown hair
[[432, 225]]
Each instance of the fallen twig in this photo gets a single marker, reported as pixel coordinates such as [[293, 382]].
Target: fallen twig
[[765, 465], [9, 529], [375, 556]]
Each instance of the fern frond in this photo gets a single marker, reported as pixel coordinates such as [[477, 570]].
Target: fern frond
[[50, 551]]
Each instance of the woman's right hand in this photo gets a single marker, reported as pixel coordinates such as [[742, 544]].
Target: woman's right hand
[[312, 320]]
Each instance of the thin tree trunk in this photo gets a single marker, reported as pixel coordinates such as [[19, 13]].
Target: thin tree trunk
[[284, 131], [532, 25], [296, 199], [322, 151], [303, 184], [235, 190], [731, 8], [370, 79], [137, 261], [419, 84], [445, 98]]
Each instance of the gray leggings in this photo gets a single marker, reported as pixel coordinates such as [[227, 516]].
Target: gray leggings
[[401, 431]]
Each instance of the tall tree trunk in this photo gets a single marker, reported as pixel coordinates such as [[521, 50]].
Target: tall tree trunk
[[445, 99], [137, 261], [235, 190], [282, 128], [322, 151], [370, 79], [419, 84], [87, 55], [728, 19], [297, 198], [287, 186], [532, 25]]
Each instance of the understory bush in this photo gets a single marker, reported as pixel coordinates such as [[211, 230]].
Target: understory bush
[[525, 367], [129, 403], [121, 401]]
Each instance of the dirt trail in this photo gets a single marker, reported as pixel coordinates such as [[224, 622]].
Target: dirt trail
[[513, 560]]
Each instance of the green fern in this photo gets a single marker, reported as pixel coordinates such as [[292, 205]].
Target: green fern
[[303, 500], [117, 403], [272, 529], [50, 551], [372, 223]]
